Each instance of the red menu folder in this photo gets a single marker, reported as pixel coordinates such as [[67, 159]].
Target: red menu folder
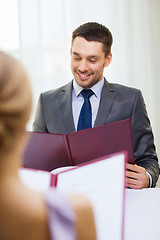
[[105, 190], [47, 151]]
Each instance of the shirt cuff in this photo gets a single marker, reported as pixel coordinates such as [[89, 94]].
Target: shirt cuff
[[150, 179]]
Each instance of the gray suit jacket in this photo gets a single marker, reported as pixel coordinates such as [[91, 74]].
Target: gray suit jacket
[[118, 102]]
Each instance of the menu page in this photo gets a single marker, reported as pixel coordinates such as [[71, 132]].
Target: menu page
[[103, 183], [35, 179]]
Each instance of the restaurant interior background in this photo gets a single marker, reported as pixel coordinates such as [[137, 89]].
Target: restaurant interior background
[[38, 33]]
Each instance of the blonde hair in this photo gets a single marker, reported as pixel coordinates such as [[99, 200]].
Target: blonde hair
[[15, 100]]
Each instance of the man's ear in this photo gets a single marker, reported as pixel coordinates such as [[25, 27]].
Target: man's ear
[[108, 59]]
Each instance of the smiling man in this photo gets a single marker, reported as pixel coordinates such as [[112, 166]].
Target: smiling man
[[88, 61], [89, 100]]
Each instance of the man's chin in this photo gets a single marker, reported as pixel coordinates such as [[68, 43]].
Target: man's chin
[[83, 83]]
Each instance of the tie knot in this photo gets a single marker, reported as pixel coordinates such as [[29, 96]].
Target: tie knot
[[87, 93]]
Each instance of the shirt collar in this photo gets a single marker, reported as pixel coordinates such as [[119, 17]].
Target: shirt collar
[[97, 88]]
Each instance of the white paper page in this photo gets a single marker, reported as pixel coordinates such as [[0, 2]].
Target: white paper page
[[103, 183], [61, 169], [35, 179]]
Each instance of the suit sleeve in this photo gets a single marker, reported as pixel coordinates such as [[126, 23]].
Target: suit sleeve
[[143, 139], [39, 121]]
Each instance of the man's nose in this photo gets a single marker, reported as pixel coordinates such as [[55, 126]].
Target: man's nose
[[83, 66]]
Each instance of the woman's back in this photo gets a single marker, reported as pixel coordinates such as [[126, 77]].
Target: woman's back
[[24, 214]]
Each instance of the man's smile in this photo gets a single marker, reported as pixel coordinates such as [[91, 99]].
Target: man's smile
[[84, 76]]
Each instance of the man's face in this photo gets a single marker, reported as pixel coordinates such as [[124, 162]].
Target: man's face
[[88, 61]]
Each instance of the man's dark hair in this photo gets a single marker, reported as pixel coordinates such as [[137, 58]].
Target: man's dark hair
[[93, 31]]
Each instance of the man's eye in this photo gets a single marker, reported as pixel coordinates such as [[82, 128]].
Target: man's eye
[[92, 61], [77, 58]]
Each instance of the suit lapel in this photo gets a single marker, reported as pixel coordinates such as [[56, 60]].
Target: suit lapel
[[106, 102], [65, 105]]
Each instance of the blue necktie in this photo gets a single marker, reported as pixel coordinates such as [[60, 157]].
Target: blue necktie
[[85, 117]]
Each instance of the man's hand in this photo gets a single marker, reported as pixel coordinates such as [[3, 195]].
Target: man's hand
[[136, 177]]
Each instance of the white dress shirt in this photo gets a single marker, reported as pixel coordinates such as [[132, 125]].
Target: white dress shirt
[[77, 100]]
